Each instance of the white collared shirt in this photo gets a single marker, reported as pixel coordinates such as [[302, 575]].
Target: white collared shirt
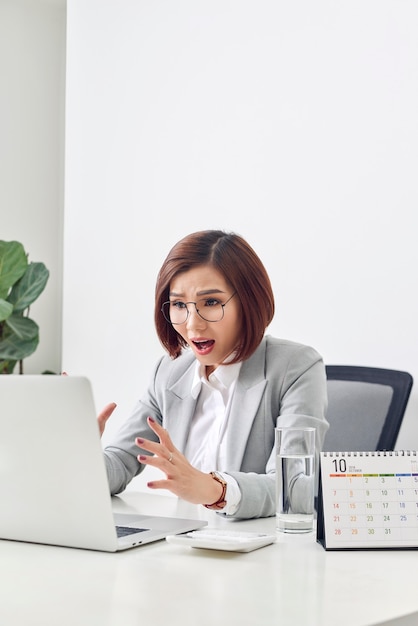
[[206, 444]]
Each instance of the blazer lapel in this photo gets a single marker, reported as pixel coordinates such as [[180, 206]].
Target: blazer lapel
[[181, 406], [248, 394]]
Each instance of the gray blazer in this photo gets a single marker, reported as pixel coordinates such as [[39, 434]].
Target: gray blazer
[[282, 383]]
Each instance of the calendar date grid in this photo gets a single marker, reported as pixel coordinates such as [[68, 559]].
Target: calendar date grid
[[378, 506]]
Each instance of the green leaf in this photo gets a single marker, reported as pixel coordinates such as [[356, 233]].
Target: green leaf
[[12, 348], [20, 284], [6, 310], [23, 327], [13, 264], [28, 288], [7, 367]]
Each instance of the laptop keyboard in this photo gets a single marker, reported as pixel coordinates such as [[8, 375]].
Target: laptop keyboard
[[123, 531]]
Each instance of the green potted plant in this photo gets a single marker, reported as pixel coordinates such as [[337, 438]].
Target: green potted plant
[[21, 283]]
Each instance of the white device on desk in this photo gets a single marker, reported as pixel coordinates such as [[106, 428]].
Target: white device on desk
[[53, 482], [219, 539]]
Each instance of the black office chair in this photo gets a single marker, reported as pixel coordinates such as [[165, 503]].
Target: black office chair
[[366, 406]]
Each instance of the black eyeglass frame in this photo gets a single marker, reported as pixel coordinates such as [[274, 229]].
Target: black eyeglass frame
[[168, 302]]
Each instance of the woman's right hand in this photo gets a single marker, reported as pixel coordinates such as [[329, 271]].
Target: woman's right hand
[[104, 416]]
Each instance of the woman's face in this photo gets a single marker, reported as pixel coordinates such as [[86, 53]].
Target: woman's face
[[211, 342]]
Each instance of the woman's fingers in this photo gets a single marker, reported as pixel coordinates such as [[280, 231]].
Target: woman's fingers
[[162, 452], [164, 448], [104, 416], [182, 479], [161, 433], [157, 449]]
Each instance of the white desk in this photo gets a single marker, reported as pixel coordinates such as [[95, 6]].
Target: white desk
[[290, 583]]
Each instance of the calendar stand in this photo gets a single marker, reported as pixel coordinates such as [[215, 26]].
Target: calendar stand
[[368, 500]]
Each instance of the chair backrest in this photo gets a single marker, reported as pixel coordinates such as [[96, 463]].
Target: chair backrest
[[366, 406]]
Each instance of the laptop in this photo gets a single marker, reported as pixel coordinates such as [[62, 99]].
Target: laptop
[[53, 482]]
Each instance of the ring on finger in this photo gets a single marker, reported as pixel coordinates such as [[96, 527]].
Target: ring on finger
[[170, 458]]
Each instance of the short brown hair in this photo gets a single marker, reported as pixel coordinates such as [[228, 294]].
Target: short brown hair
[[234, 258]]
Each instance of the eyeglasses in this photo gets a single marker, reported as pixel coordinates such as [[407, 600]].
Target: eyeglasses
[[209, 309]]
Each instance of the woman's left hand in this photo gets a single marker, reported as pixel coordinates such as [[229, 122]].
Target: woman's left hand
[[182, 479]]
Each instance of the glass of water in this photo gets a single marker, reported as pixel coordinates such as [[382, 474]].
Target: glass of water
[[295, 479]]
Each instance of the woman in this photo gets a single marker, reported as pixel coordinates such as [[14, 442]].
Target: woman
[[208, 417]]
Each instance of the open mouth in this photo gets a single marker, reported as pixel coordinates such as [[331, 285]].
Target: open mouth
[[203, 347]]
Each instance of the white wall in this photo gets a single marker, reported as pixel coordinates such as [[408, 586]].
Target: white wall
[[32, 90], [292, 123]]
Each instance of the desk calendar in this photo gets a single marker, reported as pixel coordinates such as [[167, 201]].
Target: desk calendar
[[368, 500]]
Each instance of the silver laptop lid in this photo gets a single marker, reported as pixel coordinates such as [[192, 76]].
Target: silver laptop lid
[[52, 475]]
